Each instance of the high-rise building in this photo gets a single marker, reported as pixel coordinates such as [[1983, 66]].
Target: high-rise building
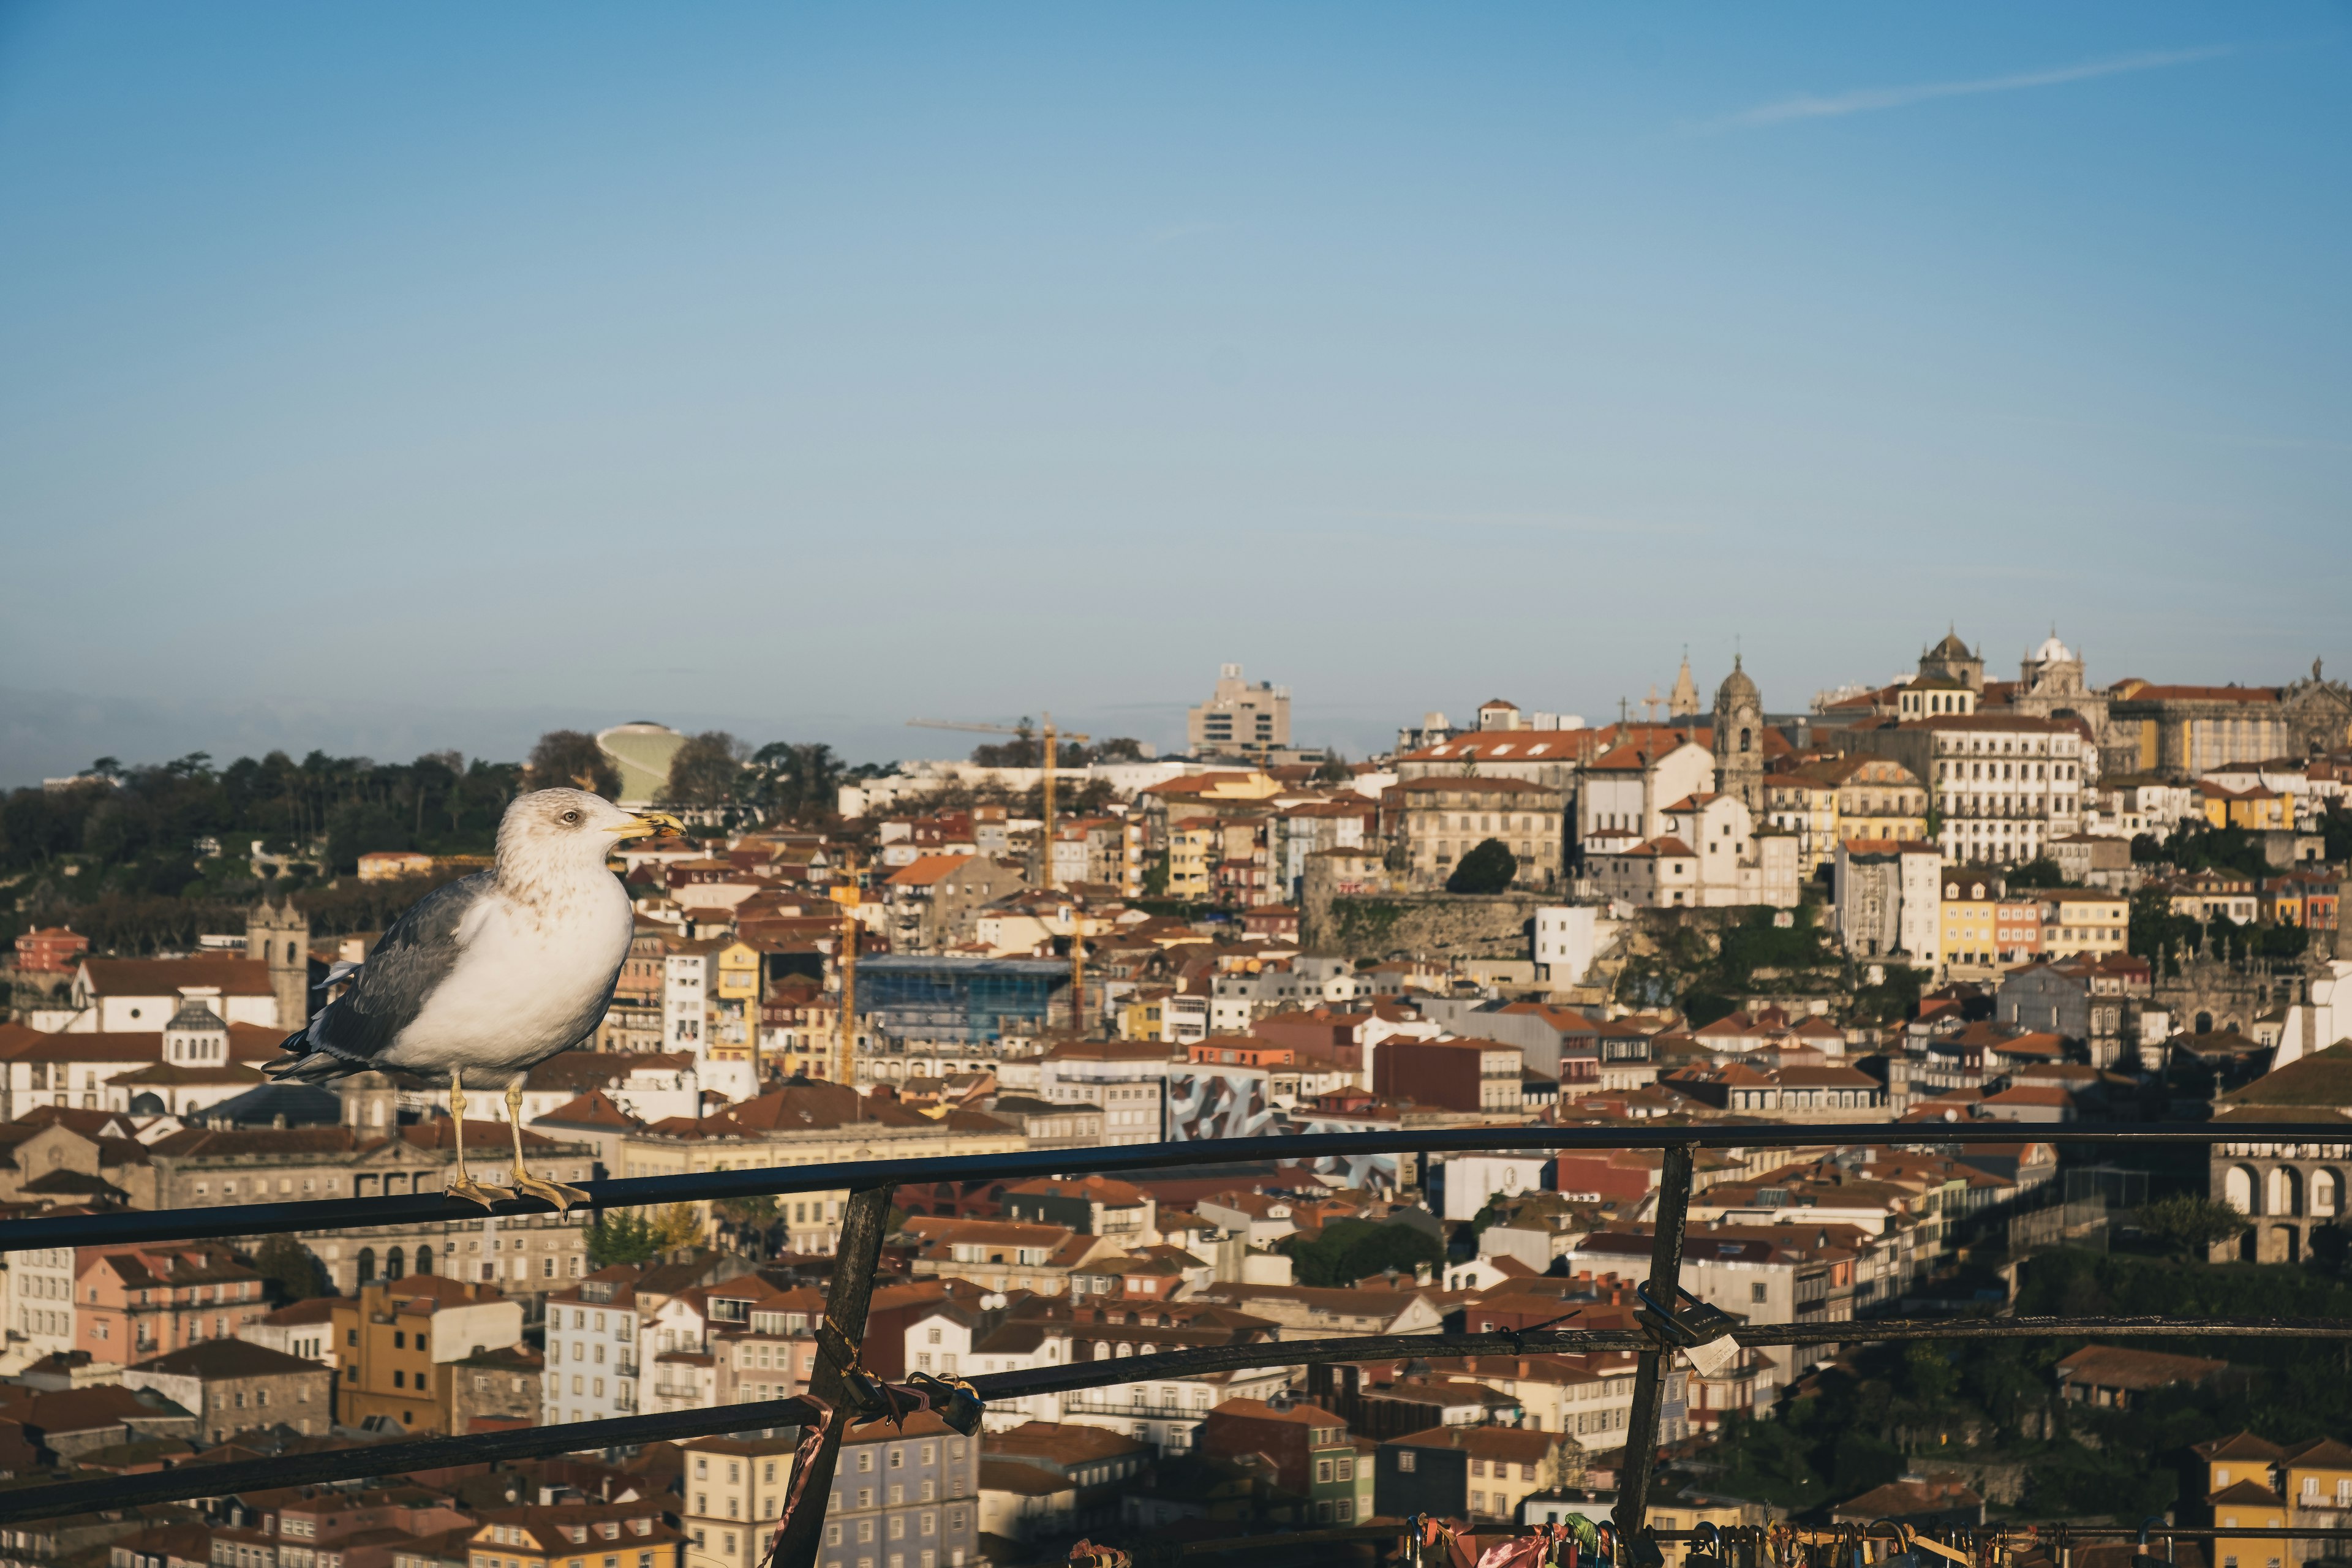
[[1239, 718]]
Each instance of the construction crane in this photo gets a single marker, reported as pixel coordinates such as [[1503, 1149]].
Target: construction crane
[[848, 895], [1051, 755]]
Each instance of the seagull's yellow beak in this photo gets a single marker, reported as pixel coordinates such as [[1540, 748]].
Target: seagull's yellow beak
[[649, 825]]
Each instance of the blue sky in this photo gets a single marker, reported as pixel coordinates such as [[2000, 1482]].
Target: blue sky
[[381, 377]]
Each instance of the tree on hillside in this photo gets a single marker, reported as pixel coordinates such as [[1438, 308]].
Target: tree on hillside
[[707, 771], [2187, 1223], [2043, 872], [797, 782], [572, 757], [289, 1266], [1347, 1250], [1488, 869]]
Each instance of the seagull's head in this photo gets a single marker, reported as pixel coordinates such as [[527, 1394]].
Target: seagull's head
[[550, 826]]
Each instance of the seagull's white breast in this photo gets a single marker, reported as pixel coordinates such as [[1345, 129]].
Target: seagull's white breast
[[528, 983]]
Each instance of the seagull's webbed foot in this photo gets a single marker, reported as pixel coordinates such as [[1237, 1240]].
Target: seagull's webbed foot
[[554, 1193], [468, 1188]]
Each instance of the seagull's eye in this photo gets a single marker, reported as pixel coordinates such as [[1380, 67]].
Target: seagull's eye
[[569, 816]]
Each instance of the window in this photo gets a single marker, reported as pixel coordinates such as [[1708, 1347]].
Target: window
[[1405, 1457]]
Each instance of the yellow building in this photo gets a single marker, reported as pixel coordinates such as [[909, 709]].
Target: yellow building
[[1969, 935], [1191, 846], [2241, 1492], [1845, 797], [575, 1535], [731, 1026], [2255, 809], [1144, 1018], [397, 1344], [2210, 896], [2084, 920], [2318, 1491]]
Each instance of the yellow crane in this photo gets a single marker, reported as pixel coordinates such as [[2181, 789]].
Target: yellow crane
[[847, 896], [1050, 755]]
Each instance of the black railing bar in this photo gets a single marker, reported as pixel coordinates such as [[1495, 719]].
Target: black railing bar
[[1586, 1341], [768, 1180], [2018, 1533], [51, 1498]]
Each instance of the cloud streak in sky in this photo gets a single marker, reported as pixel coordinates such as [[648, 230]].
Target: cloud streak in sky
[[1870, 100]]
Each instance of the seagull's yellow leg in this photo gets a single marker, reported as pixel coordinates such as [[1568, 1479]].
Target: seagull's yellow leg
[[465, 1186], [555, 1192]]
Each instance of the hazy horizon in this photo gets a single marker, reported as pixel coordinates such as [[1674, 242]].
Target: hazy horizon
[[386, 380]]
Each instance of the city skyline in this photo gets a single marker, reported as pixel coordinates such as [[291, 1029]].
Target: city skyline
[[50, 735]]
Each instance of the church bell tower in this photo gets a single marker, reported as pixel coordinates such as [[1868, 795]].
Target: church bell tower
[[1739, 739], [279, 936]]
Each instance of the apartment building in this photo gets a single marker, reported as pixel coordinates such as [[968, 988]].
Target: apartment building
[[1433, 822], [2004, 784], [593, 1366]]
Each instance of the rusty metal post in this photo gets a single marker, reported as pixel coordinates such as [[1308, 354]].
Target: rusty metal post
[[863, 1223], [1649, 1372]]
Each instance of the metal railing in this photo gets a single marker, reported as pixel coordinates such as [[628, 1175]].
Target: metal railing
[[871, 1183]]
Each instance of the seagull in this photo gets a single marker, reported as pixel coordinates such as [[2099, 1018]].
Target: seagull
[[491, 974]]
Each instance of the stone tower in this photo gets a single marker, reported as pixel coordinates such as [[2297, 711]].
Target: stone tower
[[279, 936], [1739, 739], [1683, 701], [1952, 659]]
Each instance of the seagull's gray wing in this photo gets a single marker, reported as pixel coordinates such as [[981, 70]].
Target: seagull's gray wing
[[412, 958]]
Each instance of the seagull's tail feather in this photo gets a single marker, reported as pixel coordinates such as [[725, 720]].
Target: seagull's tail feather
[[310, 1059]]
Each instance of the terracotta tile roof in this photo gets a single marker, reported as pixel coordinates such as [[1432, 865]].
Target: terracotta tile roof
[[164, 977], [2118, 1367], [927, 870]]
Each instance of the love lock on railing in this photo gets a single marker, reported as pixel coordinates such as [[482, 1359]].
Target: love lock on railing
[[1703, 1333]]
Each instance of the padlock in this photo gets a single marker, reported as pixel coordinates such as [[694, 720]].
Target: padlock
[[957, 1404], [1906, 1552], [2141, 1556], [1705, 1549]]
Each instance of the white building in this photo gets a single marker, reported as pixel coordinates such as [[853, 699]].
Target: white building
[[1471, 1179], [1711, 854], [592, 1336], [2006, 785], [40, 1307], [1737, 862], [1626, 790], [689, 980], [1569, 938], [1128, 1078]]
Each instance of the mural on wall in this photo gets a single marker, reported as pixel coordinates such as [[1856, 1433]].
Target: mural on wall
[[1373, 1171], [1204, 1106], [1229, 1104]]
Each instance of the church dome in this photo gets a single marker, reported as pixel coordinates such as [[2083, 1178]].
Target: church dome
[[1950, 648], [1737, 689], [2052, 651]]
